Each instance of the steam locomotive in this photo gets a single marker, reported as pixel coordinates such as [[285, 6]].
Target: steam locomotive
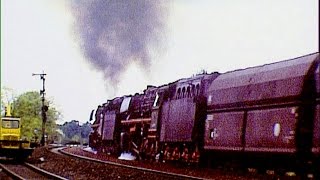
[[265, 112]]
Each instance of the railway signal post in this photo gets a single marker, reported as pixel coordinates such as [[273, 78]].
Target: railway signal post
[[44, 108]]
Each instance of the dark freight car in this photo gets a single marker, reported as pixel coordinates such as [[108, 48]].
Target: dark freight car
[[269, 109], [316, 130]]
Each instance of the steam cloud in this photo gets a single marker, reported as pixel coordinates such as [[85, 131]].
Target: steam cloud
[[113, 33]]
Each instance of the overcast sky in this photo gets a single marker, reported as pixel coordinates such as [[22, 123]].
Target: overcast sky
[[46, 35]]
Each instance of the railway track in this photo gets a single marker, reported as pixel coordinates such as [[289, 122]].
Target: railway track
[[220, 172], [68, 164], [159, 174], [26, 171]]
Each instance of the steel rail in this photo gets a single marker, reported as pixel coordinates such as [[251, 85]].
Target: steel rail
[[11, 173], [28, 167], [43, 172], [176, 175]]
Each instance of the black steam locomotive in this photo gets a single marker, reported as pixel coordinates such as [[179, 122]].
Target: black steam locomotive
[[271, 110]]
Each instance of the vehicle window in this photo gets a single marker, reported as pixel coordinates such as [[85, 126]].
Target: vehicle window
[[10, 124], [178, 93], [183, 92]]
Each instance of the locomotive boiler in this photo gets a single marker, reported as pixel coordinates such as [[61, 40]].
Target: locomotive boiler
[[271, 110]]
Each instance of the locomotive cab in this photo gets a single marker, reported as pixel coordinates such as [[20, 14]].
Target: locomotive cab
[[11, 144]]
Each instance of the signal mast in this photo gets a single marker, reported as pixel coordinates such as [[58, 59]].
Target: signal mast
[[44, 108]]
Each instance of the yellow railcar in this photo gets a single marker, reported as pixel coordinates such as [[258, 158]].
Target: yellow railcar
[[11, 144]]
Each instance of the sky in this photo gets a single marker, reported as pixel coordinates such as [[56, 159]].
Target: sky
[[93, 51]]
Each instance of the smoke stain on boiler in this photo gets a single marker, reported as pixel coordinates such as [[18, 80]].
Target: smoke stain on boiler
[[114, 33]]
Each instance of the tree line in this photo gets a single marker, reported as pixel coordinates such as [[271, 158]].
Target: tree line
[[75, 133]]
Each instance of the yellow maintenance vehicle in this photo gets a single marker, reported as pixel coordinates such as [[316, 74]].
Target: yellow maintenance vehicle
[[11, 144]]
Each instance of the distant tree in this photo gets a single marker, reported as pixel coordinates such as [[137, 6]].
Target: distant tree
[[76, 138], [52, 116], [28, 107], [76, 133], [58, 135], [71, 128], [7, 97], [85, 130]]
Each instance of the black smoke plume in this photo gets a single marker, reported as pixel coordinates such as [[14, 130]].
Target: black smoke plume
[[113, 33]]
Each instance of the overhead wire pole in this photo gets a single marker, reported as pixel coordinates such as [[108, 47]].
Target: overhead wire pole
[[44, 108]]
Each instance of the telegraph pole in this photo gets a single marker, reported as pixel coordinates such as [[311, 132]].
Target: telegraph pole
[[44, 108]]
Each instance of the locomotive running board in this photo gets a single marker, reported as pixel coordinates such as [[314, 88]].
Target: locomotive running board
[[132, 121]]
